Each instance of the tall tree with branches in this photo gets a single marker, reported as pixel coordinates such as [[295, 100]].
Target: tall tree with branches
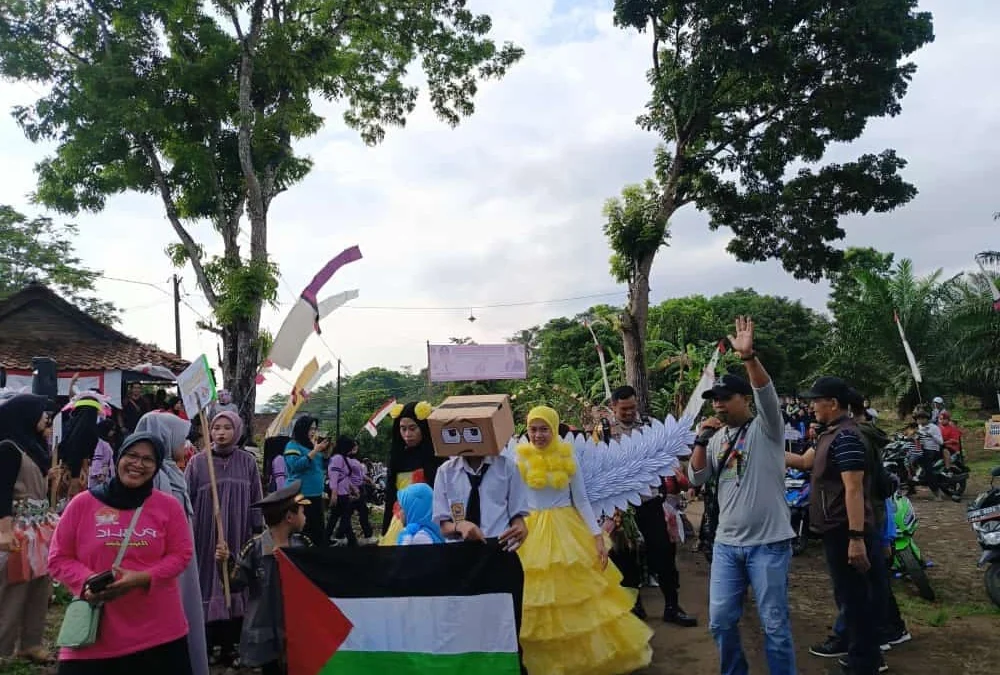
[[747, 96], [200, 103]]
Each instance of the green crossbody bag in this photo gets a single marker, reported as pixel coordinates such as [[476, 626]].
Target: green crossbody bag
[[82, 619]]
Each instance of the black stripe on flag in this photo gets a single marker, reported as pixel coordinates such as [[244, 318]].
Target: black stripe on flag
[[467, 568]]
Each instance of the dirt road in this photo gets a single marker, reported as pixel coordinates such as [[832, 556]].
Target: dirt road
[[958, 635]]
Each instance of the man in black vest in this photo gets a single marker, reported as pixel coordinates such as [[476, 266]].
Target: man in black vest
[[841, 511]]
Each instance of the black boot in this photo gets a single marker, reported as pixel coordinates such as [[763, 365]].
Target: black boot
[[638, 609], [678, 616]]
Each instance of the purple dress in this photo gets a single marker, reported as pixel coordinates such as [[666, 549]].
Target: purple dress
[[238, 479]]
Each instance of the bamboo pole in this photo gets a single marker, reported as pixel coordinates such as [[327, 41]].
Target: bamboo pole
[[216, 507]]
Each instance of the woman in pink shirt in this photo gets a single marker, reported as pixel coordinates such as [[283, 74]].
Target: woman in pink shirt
[[143, 628]]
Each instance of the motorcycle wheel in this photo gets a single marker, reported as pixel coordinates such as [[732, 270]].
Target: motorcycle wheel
[[956, 490], [915, 571], [801, 541], [992, 580]]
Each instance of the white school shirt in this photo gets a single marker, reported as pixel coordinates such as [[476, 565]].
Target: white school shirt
[[503, 495]]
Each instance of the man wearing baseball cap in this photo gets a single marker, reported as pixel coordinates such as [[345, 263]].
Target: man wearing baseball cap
[[841, 510], [745, 455]]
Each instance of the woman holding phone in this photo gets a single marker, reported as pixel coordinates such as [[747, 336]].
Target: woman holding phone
[[142, 627]]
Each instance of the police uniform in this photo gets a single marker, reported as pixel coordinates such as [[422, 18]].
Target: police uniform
[[256, 569]]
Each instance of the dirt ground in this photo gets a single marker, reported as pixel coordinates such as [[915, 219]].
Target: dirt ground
[[957, 635]]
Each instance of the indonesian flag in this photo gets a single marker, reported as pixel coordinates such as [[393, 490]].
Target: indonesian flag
[[914, 368], [371, 426], [451, 609]]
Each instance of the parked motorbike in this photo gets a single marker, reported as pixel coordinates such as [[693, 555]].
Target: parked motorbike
[[797, 490], [896, 459], [984, 514], [378, 494], [906, 557]]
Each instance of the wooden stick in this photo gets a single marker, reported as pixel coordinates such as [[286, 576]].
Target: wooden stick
[[216, 507], [54, 490]]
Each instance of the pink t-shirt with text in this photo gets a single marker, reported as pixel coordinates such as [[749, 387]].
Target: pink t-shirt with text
[[86, 542]]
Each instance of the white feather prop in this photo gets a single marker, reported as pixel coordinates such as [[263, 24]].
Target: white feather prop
[[623, 471]]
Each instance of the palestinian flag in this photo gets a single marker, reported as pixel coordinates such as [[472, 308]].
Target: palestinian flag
[[402, 610]]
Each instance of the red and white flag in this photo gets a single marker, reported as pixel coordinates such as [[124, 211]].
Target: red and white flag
[[371, 426], [914, 368], [705, 383]]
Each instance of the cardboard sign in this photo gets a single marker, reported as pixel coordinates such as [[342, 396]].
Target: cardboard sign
[[993, 433], [197, 386], [471, 425]]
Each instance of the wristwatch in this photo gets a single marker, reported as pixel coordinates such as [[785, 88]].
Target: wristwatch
[[855, 534], [749, 357]]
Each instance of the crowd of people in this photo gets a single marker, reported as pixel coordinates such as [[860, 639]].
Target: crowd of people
[[175, 547]]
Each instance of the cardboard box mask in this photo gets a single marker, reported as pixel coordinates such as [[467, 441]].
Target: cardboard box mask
[[471, 425]]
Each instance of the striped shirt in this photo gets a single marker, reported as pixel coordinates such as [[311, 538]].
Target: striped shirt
[[847, 452]]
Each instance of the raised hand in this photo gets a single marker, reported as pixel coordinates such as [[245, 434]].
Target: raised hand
[[742, 342]]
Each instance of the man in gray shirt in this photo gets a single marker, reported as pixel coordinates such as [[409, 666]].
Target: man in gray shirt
[[753, 543]]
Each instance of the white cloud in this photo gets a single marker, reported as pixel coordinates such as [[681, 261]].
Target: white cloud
[[507, 207]]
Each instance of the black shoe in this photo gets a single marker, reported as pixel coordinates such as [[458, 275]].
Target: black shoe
[[897, 638], [882, 667], [678, 616], [833, 647], [638, 609]]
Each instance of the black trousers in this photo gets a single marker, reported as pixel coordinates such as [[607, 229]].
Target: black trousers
[[661, 553], [927, 460], [361, 506], [272, 668], [225, 635], [168, 659], [860, 601], [891, 623], [339, 521], [314, 528]]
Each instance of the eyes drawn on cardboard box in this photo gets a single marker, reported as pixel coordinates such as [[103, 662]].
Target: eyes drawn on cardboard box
[[469, 433]]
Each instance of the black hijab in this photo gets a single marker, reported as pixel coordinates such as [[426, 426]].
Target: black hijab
[[115, 494], [19, 423], [80, 437], [300, 431]]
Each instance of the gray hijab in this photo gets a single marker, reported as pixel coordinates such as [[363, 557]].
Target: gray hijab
[[172, 432]]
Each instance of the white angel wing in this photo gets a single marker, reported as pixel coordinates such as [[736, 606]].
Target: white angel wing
[[510, 450], [619, 473]]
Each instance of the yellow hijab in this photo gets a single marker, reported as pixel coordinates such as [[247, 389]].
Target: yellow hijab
[[552, 465]]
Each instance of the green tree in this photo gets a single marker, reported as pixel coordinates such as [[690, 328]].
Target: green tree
[[743, 93], [36, 249], [973, 336], [200, 103], [866, 348]]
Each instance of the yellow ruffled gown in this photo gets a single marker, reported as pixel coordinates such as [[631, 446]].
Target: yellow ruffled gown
[[576, 619]]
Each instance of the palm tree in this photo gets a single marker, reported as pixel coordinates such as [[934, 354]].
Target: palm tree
[[974, 335]]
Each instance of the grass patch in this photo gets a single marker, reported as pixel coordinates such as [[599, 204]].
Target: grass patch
[[938, 614]]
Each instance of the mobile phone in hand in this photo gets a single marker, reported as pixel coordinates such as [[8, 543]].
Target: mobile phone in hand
[[100, 582]]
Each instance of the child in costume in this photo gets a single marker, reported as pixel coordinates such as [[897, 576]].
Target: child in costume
[[411, 460], [262, 642], [416, 511], [576, 616]]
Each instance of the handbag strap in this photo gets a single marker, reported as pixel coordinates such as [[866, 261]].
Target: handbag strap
[[128, 537]]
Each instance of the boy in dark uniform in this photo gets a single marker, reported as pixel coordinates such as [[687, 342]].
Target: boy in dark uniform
[[262, 643]]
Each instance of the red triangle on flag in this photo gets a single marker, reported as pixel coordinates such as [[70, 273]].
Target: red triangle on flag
[[315, 628]]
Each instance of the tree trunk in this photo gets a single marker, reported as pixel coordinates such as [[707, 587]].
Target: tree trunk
[[239, 367], [634, 333]]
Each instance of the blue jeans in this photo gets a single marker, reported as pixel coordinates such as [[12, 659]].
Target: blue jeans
[[765, 568]]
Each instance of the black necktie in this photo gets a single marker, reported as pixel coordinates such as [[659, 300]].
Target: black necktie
[[472, 513]]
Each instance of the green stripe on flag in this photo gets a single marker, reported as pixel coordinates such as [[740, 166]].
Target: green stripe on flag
[[407, 663]]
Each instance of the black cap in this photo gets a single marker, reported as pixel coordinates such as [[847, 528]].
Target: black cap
[[728, 385], [283, 497], [831, 387]]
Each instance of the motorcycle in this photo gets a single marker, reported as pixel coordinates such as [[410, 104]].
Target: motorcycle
[[378, 491], [896, 458], [984, 515], [797, 490], [906, 557]]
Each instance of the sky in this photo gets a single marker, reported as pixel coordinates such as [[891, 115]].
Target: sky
[[506, 208]]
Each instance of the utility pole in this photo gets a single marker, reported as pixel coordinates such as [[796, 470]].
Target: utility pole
[[177, 315], [338, 398]]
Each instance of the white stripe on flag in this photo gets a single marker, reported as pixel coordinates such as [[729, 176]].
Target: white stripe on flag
[[914, 368], [431, 625]]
